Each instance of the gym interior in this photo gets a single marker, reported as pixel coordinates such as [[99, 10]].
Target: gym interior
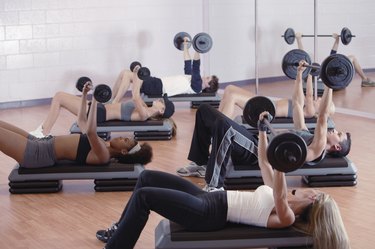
[[46, 45]]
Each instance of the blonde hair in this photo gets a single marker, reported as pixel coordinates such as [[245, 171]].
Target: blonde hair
[[325, 225]]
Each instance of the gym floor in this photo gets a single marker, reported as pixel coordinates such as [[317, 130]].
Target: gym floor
[[70, 218]]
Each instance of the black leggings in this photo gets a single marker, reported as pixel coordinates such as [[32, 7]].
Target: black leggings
[[173, 197]]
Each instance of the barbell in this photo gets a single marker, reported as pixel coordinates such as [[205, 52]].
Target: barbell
[[336, 71], [286, 151], [102, 92], [345, 35], [202, 42]]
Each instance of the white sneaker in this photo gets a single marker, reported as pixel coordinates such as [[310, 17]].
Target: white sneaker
[[38, 132], [208, 188], [192, 169]]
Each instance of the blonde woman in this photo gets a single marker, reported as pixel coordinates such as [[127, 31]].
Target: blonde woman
[[270, 205]]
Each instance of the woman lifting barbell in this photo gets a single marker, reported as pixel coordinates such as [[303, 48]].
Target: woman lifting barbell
[[85, 148], [182, 202], [131, 110]]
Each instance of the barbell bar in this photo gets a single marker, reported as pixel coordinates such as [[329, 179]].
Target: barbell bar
[[345, 35]]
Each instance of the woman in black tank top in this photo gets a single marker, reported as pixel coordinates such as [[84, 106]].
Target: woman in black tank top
[[88, 148]]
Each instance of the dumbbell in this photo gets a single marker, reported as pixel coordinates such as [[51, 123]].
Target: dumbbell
[[286, 151], [345, 35], [102, 92], [143, 72], [336, 71], [202, 42]]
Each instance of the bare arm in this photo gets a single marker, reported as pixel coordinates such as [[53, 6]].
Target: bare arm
[[99, 153], [309, 98], [318, 145], [335, 46], [299, 40], [265, 167], [140, 106], [298, 100], [284, 216], [82, 116]]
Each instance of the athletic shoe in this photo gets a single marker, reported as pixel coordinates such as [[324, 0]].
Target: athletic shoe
[[105, 235], [208, 188], [367, 82], [38, 132], [192, 169]]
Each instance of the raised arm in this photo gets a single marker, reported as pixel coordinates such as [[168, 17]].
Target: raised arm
[[186, 49], [284, 216], [299, 40], [335, 44], [82, 112], [318, 145], [298, 100], [265, 167], [100, 153], [140, 106]]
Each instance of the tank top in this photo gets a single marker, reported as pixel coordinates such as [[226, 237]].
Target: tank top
[[83, 149], [250, 208]]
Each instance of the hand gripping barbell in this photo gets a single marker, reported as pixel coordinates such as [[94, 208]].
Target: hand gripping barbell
[[202, 42], [346, 36], [286, 151], [102, 92], [336, 71]]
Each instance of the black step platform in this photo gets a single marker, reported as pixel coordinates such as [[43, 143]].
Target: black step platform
[[111, 177], [143, 130], [169, 235], [196, 99], [330, 172]]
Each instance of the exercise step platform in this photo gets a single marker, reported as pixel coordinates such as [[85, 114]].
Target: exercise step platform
[[169, 235], [112, 177], [196, 99], [142, 130], [284, 123], [330, 172]]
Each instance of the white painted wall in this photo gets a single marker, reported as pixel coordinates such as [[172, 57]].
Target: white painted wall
[[45, 45]]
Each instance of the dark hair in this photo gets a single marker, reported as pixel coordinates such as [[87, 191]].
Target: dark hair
[[143, 156], [345, 147], [213, 85]]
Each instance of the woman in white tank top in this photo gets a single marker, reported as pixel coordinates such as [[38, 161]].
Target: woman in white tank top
[[270, 205]]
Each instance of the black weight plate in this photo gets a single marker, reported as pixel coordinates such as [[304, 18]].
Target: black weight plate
[[287, 152], [102, 93], [291, 60], [337, 71], [144, 73], [81, 82], [346, 36], [255, 106], [178, 40], [289, 36], [202, 42]]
